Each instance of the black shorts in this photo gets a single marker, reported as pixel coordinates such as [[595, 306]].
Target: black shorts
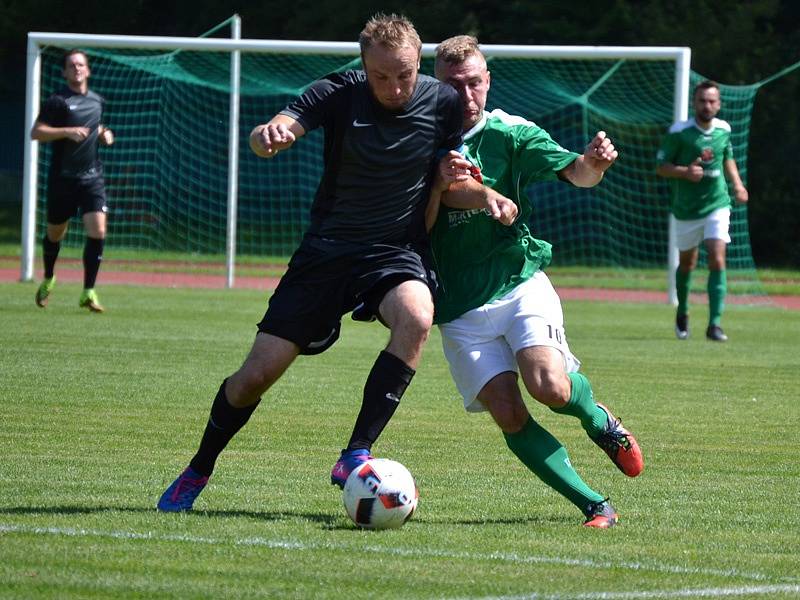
[[68, 197], [328, 278]]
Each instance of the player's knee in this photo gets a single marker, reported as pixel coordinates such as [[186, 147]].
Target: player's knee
[[552, 389], [416, 322], [421, 324]]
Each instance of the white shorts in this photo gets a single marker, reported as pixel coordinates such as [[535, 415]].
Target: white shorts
[[482, 343], [715, 226]]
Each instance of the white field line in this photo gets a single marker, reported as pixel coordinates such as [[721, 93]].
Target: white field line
[[753, 590], [390, 550]]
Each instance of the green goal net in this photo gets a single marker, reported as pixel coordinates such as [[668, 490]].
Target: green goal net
[[167, 173]]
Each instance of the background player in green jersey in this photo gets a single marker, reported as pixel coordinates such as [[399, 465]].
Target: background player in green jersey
[[694, 155], [496, 309]]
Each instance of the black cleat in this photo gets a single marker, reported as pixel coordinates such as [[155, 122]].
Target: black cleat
[[600, 515], [682, 326], [715, 334]]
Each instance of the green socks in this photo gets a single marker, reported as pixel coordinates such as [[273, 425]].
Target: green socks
[[717, 289], [548, 460], [581, 405], [683, 282]]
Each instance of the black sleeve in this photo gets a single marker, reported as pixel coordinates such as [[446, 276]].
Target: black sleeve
[[451, 118], [319, 102], [53, 112], [103, 121]]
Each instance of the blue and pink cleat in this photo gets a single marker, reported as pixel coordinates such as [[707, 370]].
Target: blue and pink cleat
[[180, 496], [348, 460]]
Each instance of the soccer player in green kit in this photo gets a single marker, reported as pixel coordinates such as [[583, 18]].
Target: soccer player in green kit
[[694, 155], [497, 311]]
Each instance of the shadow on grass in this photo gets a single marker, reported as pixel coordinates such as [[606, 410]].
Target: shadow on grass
[[249, 514], [328, 521], [521, 520]]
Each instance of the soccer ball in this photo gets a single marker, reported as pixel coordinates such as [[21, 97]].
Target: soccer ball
[[380, 494]]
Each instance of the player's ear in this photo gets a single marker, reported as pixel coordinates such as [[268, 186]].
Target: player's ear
[[488, 79]]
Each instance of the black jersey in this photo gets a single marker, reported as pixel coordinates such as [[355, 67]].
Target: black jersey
[[378, 163], [67, 108]]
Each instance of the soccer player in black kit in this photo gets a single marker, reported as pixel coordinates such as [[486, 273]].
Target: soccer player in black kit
[[385, 128], [72, 120]]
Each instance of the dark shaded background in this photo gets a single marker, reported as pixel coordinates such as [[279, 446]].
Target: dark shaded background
[[733, 43]]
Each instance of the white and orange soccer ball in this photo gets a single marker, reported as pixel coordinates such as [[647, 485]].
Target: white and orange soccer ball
[[380, 494]]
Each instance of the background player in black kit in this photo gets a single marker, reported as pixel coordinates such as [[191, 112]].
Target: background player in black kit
[[72, 120], [385, 128]]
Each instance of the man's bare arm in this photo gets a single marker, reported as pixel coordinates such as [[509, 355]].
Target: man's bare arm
[[456, 187], [42, 132], [692, 172], [588, 169], [469, 194], [732, 173]]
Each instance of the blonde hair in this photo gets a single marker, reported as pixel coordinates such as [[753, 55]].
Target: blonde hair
[[456, 50], [390, 31]]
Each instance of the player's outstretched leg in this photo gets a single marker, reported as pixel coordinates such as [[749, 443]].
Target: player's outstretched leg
[[224, 422], [43, 292], [602, 427], [544, 455], [180, 496], [385, 385]]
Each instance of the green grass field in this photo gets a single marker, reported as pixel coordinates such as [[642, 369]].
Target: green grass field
[[100, 412]]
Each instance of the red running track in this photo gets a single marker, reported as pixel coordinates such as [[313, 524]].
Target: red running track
[[195, 280]]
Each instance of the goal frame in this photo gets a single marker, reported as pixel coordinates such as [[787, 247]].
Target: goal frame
[[235, 45]]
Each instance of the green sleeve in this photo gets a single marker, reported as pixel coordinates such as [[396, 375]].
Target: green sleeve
[[728, 152], [537, 157], [669, 149]]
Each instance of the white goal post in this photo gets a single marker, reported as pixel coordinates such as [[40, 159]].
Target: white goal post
[[38, 40]]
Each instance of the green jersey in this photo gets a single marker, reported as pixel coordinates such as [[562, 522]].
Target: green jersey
[[477, 258], [684, 143]]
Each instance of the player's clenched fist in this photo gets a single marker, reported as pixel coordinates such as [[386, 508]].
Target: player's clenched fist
[[267, 140], [77, 134], [600, 154]]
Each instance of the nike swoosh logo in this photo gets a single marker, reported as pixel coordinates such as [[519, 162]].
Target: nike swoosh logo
[[357, 123], [313, 345]]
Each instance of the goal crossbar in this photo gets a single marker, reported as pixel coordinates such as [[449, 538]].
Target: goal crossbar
[[39, 40]]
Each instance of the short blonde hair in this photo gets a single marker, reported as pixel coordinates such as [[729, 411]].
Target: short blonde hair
[[456, 50], [390, 31]]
